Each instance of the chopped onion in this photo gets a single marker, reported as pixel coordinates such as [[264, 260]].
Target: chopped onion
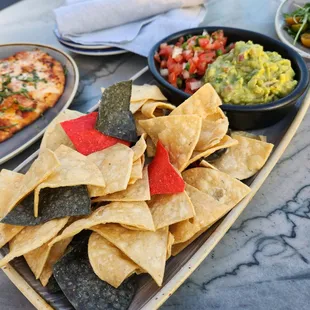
[[163, 45], [185, 74], [205, 33], [195, 85], [164, 72], [176, 51]]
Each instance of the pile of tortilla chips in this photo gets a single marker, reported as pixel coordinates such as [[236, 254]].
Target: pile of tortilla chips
[[146, 178]]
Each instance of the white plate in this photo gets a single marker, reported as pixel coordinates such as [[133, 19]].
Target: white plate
[[77, 45], [286, 7], [28, 135], [105, 52]]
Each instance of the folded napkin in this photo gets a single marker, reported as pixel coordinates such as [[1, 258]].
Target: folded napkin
[[134, 25]]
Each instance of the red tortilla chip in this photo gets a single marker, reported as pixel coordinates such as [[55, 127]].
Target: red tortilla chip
[[85, 138], [163, 177]]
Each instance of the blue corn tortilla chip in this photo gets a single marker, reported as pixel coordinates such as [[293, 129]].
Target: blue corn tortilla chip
[[84, 289], [115, 118], [53, 203], [53, 286]]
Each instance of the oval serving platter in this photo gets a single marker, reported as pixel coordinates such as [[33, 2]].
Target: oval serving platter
[[28, 135], [286, 7], [180, 267]]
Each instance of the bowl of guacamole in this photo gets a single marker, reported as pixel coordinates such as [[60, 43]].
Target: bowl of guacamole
[[259, 80], [248, 75]]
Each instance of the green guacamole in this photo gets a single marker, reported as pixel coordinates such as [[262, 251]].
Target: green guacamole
[[248, 75]]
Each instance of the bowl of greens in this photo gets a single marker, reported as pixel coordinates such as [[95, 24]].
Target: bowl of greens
[[292, 25]]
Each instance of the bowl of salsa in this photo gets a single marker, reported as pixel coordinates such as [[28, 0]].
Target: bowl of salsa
[[257, 77]]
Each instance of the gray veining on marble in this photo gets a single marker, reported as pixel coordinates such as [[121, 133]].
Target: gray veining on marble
[[263, 262]]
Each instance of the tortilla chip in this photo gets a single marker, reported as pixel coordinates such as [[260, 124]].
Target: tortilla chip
[[150, 147], [54, 135], [249, 135], [213, 129], [179, 135], [179, 247], [53, 203], [115, 165], [244, 159], [149, 108], [163, 177], [136, 105], [139, 148], [74, 169], [108, 262], [169, 245], [85, 138], [147, 249], [148, 92], [39, 171], [221, 186], [203, 102], [139, 116], [55, 253], [7, 232], [205, 164], [82, 286], [136, 214], [33, 237], [10, 182], [114, 118], [226, 142], [208, 211], [169, 209], [136, 171], [139, 191], [36, 259]]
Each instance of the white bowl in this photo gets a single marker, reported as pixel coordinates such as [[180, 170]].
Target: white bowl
[[286, 7]]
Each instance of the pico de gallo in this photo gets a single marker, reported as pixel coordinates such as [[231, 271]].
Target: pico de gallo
[[184, 63]]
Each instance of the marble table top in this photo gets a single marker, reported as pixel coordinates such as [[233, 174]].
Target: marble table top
[[263, 262]]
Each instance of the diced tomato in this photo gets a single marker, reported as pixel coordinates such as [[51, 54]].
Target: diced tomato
[[179, 58], [163, 64], [165, 51], [172, 79], [170, 63], [218, 35], [192, 66], [191, 41], [188, 88], [240, 57], [177, 69], [188, 54], [204, 60], [217, 45], [201, 68], [203, 42], [209, 56]]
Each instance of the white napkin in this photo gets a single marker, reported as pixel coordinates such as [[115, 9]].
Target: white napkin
[[134, 25]]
